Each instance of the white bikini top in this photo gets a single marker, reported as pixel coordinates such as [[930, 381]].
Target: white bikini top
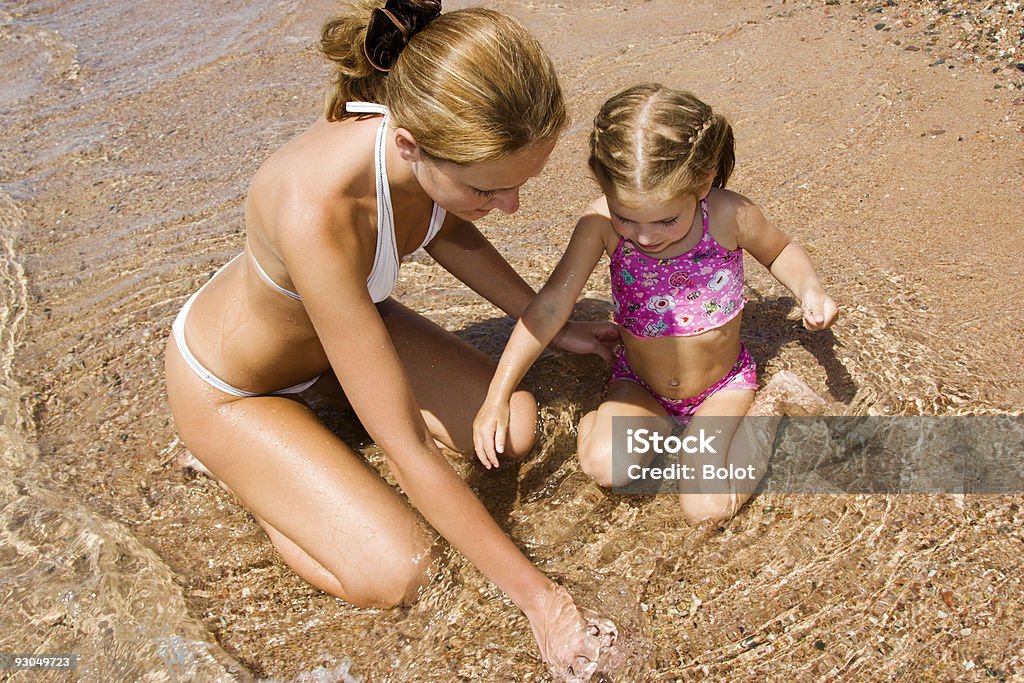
[[384, 273]]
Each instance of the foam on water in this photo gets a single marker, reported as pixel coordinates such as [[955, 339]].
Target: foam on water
[[124, 48], [81, 582], [30, 56]]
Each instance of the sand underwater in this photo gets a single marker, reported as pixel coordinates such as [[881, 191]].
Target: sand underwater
[[887, 137]]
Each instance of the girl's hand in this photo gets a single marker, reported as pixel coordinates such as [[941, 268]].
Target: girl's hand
[[490, 429], [588, 337], [571, 641], [820, 310]]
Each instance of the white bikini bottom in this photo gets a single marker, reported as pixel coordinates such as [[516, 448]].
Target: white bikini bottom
[[178, 329]]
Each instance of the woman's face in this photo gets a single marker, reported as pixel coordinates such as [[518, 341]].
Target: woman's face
[[473, 191]]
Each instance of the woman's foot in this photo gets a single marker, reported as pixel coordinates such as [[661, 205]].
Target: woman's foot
[[189, 462]]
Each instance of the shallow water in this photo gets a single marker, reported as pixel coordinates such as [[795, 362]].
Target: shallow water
[[129, 135]]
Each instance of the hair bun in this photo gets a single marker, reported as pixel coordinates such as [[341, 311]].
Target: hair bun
[[391, 27]]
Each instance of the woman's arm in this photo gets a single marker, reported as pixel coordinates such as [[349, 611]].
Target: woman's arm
[[332, 282], [461, 249], [333, 289], [787, 261], [539, 324]]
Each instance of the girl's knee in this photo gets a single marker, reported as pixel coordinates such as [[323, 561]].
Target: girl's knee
[[598, 468], [522, 428], [698, 508], [595, 455]]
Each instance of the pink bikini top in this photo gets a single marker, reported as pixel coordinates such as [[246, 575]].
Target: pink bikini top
[[681, 296]]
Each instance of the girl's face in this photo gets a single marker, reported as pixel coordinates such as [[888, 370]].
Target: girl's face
[[657, 226], [471, 192]]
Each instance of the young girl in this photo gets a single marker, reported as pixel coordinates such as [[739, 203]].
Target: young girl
[[674, 235]]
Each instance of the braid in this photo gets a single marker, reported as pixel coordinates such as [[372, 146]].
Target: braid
[[699, 132], [649, 141]]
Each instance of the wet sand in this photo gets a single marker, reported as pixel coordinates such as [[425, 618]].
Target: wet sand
[[122, 174]]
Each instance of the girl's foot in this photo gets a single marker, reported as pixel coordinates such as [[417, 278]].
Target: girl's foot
[[787, 394]]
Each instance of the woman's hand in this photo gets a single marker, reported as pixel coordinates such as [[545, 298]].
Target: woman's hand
[[820, 310], [571, 640], [490, 430], [576, 336]]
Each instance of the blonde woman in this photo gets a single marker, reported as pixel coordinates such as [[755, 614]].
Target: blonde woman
[[434, 121]]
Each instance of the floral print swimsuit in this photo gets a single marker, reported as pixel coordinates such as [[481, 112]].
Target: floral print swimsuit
[[681, 296]]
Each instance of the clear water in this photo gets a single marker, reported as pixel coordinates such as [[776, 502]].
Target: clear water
[[130, 132]]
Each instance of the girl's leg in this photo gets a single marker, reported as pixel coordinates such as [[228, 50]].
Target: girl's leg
[[450, 380], [723, 414], [595, 437], [334, 520], [748, 423]]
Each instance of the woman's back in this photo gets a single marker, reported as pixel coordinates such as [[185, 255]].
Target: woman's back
[[323, 179]]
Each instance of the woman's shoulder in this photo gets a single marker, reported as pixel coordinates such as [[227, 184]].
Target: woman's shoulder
[[316, 178], [327, 154]]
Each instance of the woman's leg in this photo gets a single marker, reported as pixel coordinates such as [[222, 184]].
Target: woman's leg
[[595, 438], [332, 518], [450, 379]]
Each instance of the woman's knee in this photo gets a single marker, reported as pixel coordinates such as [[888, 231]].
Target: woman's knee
[[399, 584]]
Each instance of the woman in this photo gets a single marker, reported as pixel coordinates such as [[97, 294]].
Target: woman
[[434, 121]]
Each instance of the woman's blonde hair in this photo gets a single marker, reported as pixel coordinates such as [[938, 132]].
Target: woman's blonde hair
[[652, 143], [471, 86]]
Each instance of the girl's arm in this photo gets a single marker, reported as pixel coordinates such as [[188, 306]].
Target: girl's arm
[[539, 324], [333, 289], [787, 261], [463, 251]]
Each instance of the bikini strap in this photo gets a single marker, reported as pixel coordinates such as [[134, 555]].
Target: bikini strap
[[366, 108], [386, 264], [617, 252], [436, 221], [704, 214], [269, 280], [384, 272]]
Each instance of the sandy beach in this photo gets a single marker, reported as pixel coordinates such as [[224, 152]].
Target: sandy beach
[[886, 137]]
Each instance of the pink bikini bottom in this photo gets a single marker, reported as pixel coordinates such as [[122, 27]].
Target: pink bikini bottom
[[743, 375]]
